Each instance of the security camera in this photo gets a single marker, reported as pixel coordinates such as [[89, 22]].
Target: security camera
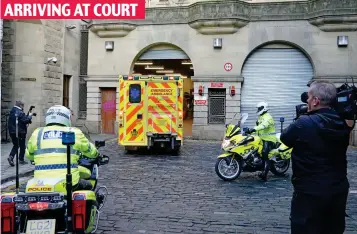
[[53, 59], [70, 27]]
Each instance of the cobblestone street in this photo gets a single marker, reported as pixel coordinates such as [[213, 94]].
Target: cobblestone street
[[182, 194]]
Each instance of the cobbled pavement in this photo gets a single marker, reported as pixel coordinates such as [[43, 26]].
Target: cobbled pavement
[[182, 194]]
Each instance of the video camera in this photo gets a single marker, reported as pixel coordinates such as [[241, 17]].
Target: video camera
[[345, 104], [30, 111]]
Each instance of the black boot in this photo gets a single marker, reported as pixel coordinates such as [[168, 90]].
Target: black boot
[[264, 174], [11, 161], [100, 200]]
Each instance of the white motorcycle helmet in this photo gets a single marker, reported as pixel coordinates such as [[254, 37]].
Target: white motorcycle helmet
[[262, 107], [58, 115]]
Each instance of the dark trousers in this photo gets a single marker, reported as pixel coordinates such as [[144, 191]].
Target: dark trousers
[[83, 185], [318, 214], [267, 146], [18, 142]]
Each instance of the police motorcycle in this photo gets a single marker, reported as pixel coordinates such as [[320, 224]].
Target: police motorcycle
[[243, 152], [44, 207]]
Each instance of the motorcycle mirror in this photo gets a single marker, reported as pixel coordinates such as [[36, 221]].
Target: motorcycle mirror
[[233, 118], [104, 160], [99, 144]]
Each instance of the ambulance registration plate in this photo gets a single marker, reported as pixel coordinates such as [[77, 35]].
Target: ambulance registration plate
[[43, 226]]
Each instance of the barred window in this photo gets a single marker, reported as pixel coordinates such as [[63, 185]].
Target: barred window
[[216, 106]]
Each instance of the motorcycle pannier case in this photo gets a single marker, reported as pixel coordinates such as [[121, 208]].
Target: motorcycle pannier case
[[83, 211]]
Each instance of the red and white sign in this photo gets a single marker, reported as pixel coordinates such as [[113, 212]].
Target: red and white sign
[[217, 85], [69, 9], [200, 102], [228, 66]]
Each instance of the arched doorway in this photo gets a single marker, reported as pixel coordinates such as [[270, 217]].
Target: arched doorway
[[277, 74], [167, 59]]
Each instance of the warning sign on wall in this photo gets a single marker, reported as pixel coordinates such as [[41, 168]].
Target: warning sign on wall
[[200, 102]]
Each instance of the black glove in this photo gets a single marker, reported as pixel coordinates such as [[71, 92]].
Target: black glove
[[250, 130]]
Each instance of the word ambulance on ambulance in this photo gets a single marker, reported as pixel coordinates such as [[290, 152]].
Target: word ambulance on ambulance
[[150, 112]]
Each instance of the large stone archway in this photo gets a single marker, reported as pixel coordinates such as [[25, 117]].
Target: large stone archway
[[161, 59]]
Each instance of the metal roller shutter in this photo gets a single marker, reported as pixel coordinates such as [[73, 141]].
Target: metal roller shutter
[[277, 76]]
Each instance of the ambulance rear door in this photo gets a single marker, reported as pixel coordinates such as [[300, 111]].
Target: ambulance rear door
[[162, 107], [135, 113]]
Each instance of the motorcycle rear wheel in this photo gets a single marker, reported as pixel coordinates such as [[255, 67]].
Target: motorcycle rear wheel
[[279, 168], [224, 162]]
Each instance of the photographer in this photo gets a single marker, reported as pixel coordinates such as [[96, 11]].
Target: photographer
[[23, 121], [320, 139]]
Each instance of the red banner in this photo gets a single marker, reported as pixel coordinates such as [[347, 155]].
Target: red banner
[[66, 9]]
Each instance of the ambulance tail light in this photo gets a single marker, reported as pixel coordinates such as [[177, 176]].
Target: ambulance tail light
[[180, 119], [79, 212], [7, 215], [121, 119]]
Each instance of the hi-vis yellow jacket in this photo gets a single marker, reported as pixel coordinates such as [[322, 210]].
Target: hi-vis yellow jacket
[[50, 156], [266, 127]]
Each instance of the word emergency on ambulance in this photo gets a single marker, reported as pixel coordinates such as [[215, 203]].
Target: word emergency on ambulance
[[80, 9]]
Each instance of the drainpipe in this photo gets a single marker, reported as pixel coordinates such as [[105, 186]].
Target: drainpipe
[[1, 36]]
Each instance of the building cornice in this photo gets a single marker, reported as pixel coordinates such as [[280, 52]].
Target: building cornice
[[227, 16], [217, 78]]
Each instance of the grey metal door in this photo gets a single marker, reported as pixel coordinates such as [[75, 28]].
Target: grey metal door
[[277, 76]]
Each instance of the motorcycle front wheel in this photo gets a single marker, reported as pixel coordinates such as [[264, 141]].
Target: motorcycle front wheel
[[279, 168], [228, 169]]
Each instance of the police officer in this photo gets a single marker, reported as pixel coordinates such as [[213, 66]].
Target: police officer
[[265, 128], [49, 155]]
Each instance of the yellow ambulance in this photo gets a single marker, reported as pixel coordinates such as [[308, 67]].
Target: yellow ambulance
[[150, 112]]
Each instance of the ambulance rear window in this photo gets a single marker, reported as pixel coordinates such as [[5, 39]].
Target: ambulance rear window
[[135, 93]]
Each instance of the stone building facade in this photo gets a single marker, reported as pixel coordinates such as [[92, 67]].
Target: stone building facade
[[305, 33], [26, 73]]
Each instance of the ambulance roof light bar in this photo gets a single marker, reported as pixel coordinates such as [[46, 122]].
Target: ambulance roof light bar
[[131, 77], [170, 77]]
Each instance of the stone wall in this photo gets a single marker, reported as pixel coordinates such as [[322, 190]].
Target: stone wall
[[7, 72], [26, 73], [311, 26]]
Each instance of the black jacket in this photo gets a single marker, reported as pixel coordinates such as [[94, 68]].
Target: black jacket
[[22, 118], [320, 140]]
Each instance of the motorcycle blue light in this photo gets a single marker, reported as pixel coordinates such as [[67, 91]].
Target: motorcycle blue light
[[68, 138]]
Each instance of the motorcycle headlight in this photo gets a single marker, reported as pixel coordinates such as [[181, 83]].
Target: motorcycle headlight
[[225, 143]]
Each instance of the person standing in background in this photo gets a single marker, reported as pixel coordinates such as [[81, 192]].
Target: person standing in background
[[20, 141]]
